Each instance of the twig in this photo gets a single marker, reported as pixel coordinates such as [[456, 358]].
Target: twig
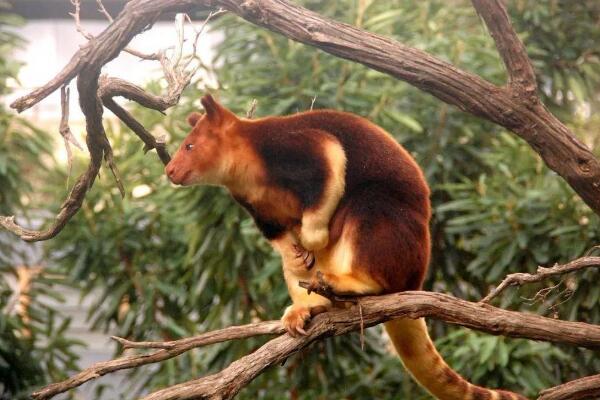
[[103, 11], [65, 130], [199, 31], [78, 26], [252, 109], [542, 273]]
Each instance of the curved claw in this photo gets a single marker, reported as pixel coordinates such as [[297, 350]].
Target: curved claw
[[308, 257]]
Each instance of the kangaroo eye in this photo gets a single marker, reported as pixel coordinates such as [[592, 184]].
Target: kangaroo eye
[[189, 146]]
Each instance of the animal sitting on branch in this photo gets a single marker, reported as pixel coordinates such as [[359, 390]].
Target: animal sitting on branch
[[346, 207]]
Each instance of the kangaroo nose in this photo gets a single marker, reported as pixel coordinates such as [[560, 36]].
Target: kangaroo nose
[[170, 170]]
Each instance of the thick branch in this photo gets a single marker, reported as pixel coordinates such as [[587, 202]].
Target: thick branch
[[227, 383], [111, 87], [558, 147], [583, 388], [520, 71], [541, 274], [375, 310], [115, 87]]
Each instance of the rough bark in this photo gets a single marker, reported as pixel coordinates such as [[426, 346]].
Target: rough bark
[[368, 311]]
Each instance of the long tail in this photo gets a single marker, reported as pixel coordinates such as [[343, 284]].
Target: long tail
[[426, 365]]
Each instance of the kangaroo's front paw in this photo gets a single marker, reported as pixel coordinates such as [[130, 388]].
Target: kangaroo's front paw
[[304, 257], [294, 319], [313, 238]]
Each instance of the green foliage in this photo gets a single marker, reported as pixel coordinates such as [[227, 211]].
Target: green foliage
[[497, 362], [169, 262]]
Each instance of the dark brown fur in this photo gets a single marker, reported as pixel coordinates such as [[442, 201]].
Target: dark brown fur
[[386, 194]]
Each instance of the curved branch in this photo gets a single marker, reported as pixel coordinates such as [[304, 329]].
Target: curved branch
[[135, 18], [557, 146], [150, 141], [86, 65], [369, 311], [228, 382], [542, 273], [551, 139]]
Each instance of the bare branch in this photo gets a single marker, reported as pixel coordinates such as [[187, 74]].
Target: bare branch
[[199, 31], [227, 383], [76, 17], [368, 312], [137, 16], [520, 71], [150, 141], [90, 59], [70, 206], [252, 109], [89, 36], [169, 350], [541, 274], [103, 11], [583, 388], [64, 128], [557, 146]]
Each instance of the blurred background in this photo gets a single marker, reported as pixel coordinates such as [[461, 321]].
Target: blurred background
[[167, 262]]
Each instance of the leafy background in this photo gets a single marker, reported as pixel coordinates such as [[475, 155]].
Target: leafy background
[[168, 262]]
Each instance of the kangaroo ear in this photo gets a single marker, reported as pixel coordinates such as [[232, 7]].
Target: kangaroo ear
[[215, 112], [193, 118]]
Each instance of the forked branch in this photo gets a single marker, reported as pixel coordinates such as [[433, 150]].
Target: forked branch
[[514, 106], [558, 147], [541, 274], [368, 311], [95, 92], [520, 71]]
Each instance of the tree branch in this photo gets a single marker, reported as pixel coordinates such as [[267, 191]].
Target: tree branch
[[520, 71], [168, 350], [551, 139], [542, 273], [557, 146], [88, 63], [368, 312], [583, 388], [515, 107]]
